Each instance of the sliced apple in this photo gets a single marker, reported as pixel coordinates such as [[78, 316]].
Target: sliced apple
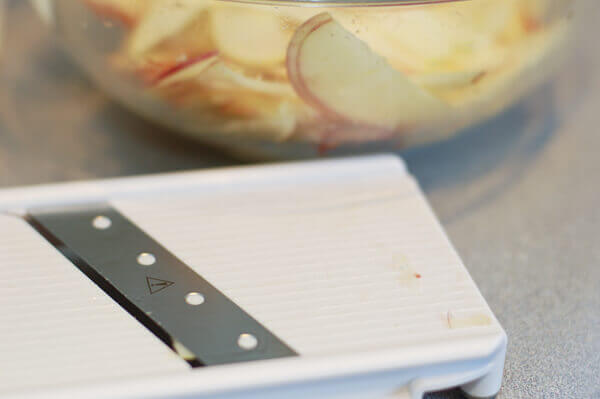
[[339, 75], [242, 112], [439, 37], [529, 63], [526, 66], [446, 79], [221, 76], [186, 70], [278, 124], [163, 19], [230, 101], [212, 82], [249, 35]]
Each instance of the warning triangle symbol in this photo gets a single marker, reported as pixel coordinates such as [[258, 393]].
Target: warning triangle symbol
[[155, 284]]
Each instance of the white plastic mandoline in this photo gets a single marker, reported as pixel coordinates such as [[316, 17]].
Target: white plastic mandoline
[[343, 260]]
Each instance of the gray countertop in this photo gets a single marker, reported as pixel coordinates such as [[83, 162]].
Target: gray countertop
[[518, 195]]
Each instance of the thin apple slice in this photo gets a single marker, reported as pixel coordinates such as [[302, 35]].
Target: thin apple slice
[[213, 81], [529, 63], [221, 76], [446, 79], [163, 19], [339, 75], [450, 37], [278, 124], [186, 70], [249, 35], [242, 112], [232, 102]]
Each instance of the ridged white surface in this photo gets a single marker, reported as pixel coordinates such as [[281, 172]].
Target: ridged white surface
[[331, 266], [57, 328], [336, 257]]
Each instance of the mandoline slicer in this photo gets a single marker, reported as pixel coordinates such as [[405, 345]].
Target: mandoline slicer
[[326, 279]]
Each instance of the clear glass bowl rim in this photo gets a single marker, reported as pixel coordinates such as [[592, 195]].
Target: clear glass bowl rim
[[341, 3]]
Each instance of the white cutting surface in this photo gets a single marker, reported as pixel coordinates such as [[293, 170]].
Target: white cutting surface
[[333, 264], [58, 328], [336, 258]]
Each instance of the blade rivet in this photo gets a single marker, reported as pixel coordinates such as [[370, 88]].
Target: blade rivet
[[101, 222], [247, 341], [146, 259], [194, 298]]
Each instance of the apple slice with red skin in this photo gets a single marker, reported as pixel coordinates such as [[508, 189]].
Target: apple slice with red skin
[[341, 77], [163, 19], [185, 70], [235, 102]]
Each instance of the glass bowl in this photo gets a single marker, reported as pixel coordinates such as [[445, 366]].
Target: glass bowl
[[295, 78]]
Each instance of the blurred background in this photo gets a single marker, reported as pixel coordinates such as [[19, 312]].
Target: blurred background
[[518, 194]]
